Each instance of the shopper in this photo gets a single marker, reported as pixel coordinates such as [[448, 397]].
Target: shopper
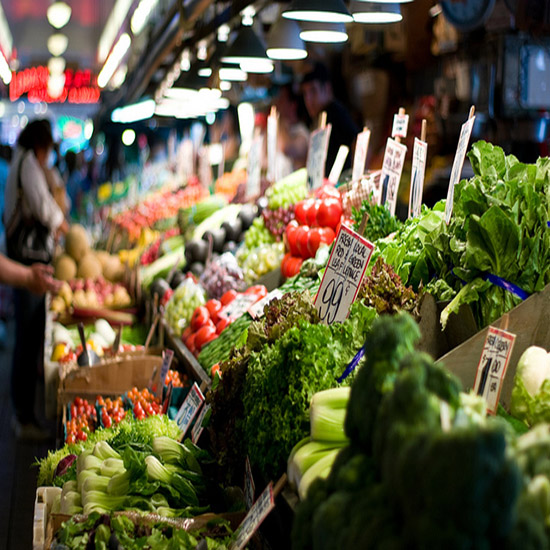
[[32, 219], [38, 278], [319, 97]]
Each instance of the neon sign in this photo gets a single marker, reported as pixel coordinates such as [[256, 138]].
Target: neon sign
[[80, 86]]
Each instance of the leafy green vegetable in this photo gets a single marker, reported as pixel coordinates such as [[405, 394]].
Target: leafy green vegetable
[[380, 222]]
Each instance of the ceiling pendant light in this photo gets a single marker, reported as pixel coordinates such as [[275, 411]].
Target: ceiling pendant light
[[284, 42], [247, 46], [326, 11], [56, 65], [376, 12], [324, 33], [230, 73], [257, 66], [58, 14], [57, 44]]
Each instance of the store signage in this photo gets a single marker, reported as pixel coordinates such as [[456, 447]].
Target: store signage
[[249, 486], [463, 140], [257, 310], [392, 167], [492, 366], [261, 509], [420, 152], [338, 165], [317, 156], [197, 428], [237, 307], [342, 279], [360, 157], [400, 126], [253, 182], [189, 408], [167, 356], [80, 86], [272, 128]]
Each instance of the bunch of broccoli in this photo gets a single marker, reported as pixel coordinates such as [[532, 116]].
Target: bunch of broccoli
[[425, 467]]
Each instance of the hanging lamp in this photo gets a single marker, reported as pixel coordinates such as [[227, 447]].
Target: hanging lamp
[[325, 11]]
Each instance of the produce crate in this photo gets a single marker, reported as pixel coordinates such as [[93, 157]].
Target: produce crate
[[42, 513]]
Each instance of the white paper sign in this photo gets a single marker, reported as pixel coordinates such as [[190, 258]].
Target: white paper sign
[[254, 174], [167, 356], [237, 307], [257, 310], [492, 366], [463, 140], [197, 428], [205, 170], [272, 127], [317, 156], [360, 157], [189, 408], [254, 518], [338, 165], [249, 486], [342, 279], [392, 167], [400, 126], [420, 152]]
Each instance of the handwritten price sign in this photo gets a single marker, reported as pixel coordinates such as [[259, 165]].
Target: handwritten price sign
[[345, 270], [492, 366], [392, 168], [317, 156], [189, 408]]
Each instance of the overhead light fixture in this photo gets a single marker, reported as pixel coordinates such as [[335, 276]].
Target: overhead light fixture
[[205, 72], [326, 11], [57, 44], [119, 77], [376, 12], [223, 32], [324, 33], [284, 42], [258, 66], [141, 15], [5, 71], [191, 80], [136, 111], [232, 74], [247, 46], [387, 1], [114, 59], [56, 65], [56, 85], [128, 137], [114, 23], [225, 85], [58, 14]]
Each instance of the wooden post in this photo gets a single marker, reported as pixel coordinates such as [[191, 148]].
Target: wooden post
[[400, 112], [323, 120], [423, 130]]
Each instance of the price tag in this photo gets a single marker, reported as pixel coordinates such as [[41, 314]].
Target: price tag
[[197, 428], [167, 399], [360, 157], [249, 486], [400, 126], [254, 518], [237, 307], [345, 270], [420, 152], [257, 310], [458, 163], [317, 156], [492, 366], [392, 167], [254, 167], [338, 165], [167, 356], [189, 408], [272, 128]]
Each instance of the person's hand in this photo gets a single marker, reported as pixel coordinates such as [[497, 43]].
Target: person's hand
[[62, 229], [41, 279]]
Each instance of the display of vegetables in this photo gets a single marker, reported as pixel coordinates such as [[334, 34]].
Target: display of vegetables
[[262, 260], [287, 191], [186, 298], [222, 274], [380, 223]]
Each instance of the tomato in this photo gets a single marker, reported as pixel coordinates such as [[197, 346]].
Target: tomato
[[213, 307], [199, 318], [190, 342], [138, 411], [204, 335], [313, 240], [259, 290], [327, 235], [71, 439], [301, 240], [228, 297], [221, 324], [291, 229], [327, 191], [312, 213], [301, 210], [186, 333], [81, 436], [294, 266], [216, 370], [329, 213], [166, 296], [106, 419]]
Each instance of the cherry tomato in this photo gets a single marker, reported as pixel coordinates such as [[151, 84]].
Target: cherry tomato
[[204, 335], [215, 370], [213, 307], [228, 297], [221, 324], [199, 319]]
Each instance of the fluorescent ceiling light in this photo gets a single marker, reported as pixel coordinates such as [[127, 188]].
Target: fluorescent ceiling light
[[58, 14], [247, 46], [387, 1], [114, 59], [325, 11], [284, 42], [223, 32], [205, 72], [119, 77], [112, 27], [57, 44], [56, 65], [136, 111], [141, 15], [323, 33], [128, 137], [5, 71], [376, 12], [232, 74], [225, 85], [260, 66]]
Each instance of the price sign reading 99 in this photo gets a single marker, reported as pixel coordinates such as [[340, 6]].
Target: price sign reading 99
[[345, 270]]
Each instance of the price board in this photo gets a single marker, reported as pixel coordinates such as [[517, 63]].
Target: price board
[[392, 167], [360, 156], [259, 511], [254, 173], [237, 307], [400, 126], [420, 152], [167, 356], [197, 428], [189, 408], [458, 164], [249, 486], [272, 129], [317, 156], [492, 366], [257, 310], [342, 279]]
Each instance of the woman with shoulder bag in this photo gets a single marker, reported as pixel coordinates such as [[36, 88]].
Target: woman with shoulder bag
[[33, 221]]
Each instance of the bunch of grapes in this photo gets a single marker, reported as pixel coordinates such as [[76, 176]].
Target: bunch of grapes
[[221, 275], [277, 220]]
